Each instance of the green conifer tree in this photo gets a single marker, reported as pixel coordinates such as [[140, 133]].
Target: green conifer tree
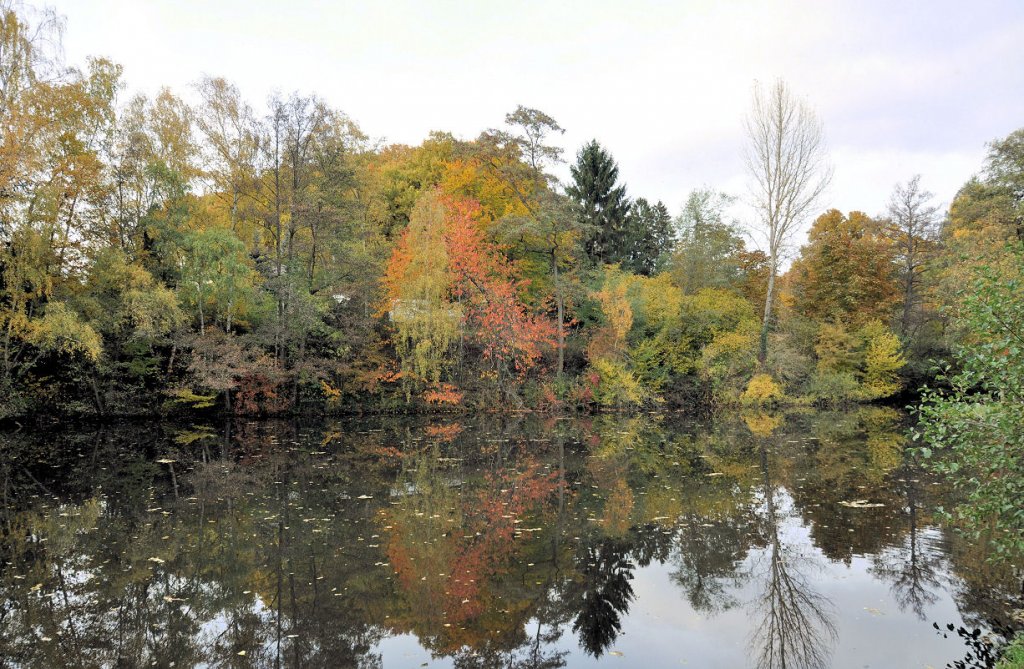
[[602, 206]]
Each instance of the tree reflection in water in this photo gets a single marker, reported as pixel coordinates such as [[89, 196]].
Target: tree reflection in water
[[603, 595], [520, 543], [913, 567], [708, 557], [796, 629]]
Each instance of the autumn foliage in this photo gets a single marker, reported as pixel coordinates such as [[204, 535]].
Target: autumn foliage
[[446, 281], [158, 256], [448, 557]]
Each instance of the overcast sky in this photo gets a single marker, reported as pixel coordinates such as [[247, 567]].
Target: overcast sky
[[902, 87]]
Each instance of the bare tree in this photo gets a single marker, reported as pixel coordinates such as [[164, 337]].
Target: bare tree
[[915, 231], [787, 160]]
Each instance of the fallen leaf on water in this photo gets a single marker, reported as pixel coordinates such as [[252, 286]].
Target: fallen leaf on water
[[157, 560]]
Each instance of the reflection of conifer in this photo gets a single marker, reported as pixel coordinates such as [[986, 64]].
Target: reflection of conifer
[[604, 594]]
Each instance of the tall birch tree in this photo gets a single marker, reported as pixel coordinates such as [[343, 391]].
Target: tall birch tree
[[787, 160]]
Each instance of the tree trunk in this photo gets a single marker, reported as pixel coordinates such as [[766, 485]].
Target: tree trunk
[[96, 394], [277, 245], [908, 293], [908, 299], [762, 353], [561, 313]]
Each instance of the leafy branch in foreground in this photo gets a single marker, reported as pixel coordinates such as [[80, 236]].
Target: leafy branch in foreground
[[974, 432]]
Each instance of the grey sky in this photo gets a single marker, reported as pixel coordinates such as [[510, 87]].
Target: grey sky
[[902, 87]]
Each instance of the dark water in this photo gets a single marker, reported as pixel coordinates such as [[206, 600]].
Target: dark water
[[751, 541]]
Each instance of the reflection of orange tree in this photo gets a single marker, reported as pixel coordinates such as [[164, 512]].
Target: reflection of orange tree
[[445, 433], [446, 547], [609, 474], [609, 469], [618, 509]]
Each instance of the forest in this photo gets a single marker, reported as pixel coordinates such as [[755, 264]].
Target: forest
[[162, 257]]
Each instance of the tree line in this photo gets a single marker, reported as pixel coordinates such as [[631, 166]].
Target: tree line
[[159, 255]]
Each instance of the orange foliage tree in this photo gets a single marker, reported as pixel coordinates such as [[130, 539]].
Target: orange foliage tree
[[512, 339], [470, 278], [846, 270]]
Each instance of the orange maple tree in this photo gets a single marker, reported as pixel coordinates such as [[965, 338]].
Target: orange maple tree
[[478, 282], [489, 285]]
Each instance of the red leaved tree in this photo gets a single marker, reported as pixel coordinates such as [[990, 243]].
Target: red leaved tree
[[444, 265], [511, 338]]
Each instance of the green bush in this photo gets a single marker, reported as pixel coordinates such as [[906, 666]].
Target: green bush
[[832, 388], [616, 386], [974, 432], [1013, 655], [883, 359]]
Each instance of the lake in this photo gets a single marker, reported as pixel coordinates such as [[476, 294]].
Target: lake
[[757, 540]]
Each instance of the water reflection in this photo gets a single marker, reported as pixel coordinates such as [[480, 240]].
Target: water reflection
[[526, 542], [794, 624], [913, 566], [603, 594]]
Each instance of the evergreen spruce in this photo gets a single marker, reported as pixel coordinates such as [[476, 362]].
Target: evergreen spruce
[[602, 206]]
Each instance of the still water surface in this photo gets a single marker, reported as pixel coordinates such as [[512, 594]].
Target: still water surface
[[647, 541]]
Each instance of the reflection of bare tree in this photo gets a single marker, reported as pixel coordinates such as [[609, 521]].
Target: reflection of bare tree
[[911, 568], [796, 629], [706, 560]]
